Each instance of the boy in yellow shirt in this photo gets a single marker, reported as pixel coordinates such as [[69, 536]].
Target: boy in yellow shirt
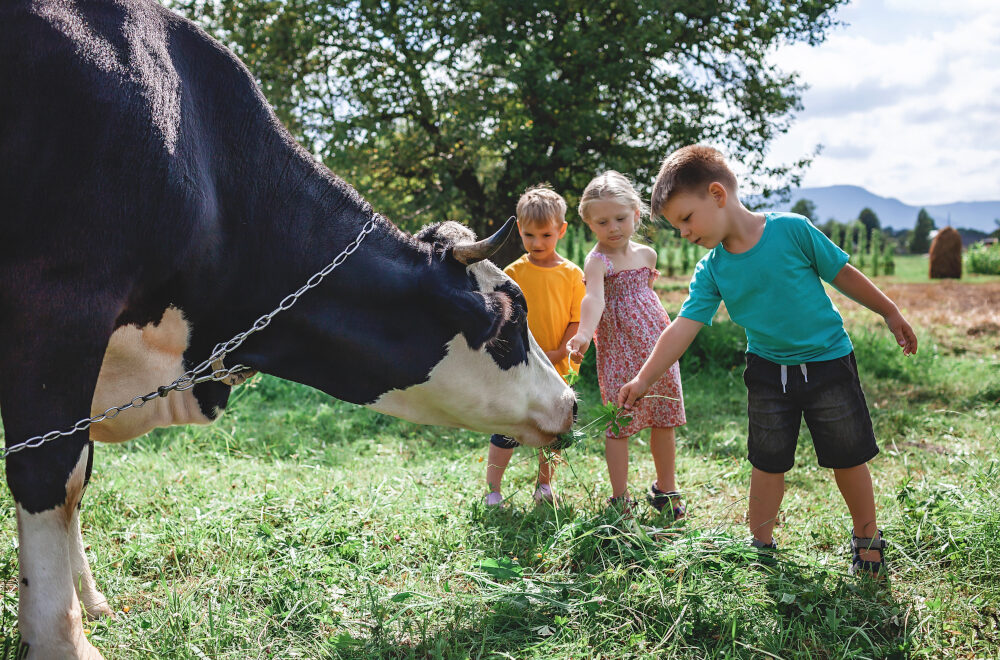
[[553, 288]]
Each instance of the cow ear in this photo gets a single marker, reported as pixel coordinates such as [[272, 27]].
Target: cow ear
[[480, 316]]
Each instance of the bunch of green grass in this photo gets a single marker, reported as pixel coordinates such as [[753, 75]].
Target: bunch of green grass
[[299, 526], [983, 259]]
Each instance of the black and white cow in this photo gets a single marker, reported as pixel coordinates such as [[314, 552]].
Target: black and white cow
[[151, 206]]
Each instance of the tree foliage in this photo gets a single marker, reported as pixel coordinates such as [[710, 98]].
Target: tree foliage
[[871, 222], [451, 108], [805, 207], [920, 241]]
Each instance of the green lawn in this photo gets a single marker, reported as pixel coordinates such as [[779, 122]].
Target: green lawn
[[914, 268], [299, 526]]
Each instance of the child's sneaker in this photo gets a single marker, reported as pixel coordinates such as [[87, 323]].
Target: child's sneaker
[[872, 569], [659, 500], [494, 499], [544, 494]]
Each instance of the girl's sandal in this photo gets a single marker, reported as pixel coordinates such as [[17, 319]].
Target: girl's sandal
[[623, 504], [764, 553], [859, 566], [659, 500]]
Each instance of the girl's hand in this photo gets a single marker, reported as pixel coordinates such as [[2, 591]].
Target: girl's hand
[[902, 331], [631, 392], [577, 346]]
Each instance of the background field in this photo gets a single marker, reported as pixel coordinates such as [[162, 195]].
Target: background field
[[299, 526]]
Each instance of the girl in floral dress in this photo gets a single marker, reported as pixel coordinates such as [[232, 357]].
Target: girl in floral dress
[[624, 317]]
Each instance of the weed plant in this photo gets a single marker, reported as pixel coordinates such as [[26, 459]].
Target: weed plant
[[983, 259]]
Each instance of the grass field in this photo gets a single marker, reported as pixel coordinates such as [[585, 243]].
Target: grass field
[[299, 526]]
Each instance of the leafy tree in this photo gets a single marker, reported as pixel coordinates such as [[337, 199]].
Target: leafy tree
[[871, 222], [805, 207], [451, 108], [920, 241]]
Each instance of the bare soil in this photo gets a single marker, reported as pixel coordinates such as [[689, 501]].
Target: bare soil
[[944, 308]]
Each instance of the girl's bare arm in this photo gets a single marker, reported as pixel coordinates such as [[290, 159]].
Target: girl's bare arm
[[590, 309]]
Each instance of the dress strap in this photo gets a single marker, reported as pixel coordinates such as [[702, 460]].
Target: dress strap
[[609, 269]]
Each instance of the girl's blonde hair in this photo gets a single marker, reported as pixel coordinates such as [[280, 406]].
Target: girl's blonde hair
[[615, 186]]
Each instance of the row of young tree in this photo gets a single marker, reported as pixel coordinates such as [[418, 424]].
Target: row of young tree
[[907, 241]]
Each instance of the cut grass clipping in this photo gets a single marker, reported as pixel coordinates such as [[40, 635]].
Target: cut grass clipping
[[609, 417]]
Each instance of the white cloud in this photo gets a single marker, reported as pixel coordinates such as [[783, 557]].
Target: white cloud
[[903, 87]]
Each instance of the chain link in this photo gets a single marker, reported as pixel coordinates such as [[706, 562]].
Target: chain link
[[191, 378]]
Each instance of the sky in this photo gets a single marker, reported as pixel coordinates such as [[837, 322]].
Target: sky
[[904, 97]]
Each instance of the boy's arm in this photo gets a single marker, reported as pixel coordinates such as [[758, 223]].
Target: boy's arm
[[855, 285], [590, 310], [669, 348], [561, 352]]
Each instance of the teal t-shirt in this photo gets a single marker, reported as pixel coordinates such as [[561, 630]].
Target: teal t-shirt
[[774, 290]]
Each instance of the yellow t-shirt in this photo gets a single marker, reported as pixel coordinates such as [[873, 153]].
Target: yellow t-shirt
[[553, 296]]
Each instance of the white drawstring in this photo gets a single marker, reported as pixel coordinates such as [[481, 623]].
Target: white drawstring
[[784, 376]]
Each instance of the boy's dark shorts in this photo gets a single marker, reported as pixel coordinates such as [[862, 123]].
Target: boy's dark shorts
[[504, 441], [831, 402]]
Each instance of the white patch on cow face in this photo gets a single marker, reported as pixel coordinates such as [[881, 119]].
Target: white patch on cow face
[[49, 615], [529, 402], [136, 362], [467, 389]]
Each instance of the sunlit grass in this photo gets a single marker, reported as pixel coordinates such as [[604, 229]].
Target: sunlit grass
[[299, 526]]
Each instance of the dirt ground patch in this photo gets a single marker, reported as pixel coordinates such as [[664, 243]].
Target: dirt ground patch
[[968, 309], [949, 303]]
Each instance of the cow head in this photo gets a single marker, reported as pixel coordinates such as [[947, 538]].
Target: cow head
[[493, 377]]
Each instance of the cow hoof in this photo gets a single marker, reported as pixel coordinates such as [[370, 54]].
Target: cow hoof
[[99, 610], [84, 651], [88, 652]]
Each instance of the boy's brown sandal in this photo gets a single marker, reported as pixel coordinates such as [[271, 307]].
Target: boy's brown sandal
[[859, 566]]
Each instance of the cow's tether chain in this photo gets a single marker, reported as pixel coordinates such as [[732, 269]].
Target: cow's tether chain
[[191, 378]]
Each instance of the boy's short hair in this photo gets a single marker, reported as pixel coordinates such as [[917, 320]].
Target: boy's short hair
[[690, 169], [541, 204]]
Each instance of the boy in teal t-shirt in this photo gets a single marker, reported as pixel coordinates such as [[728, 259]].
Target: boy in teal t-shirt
[[769, 270]]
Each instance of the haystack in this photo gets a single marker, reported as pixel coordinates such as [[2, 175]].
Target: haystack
[[946, 255]]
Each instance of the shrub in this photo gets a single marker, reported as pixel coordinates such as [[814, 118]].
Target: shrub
[[723, 344], [983, 259]]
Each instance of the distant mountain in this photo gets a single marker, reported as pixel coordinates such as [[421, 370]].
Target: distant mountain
[[845, 202]]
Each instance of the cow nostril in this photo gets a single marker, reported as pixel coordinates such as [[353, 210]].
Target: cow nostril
[[575, 408]]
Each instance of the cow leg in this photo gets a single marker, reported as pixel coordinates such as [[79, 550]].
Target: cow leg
[[47, 382], [49, 614], [95, 605]]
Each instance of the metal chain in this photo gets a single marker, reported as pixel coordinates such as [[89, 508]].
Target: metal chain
[[191, 378]]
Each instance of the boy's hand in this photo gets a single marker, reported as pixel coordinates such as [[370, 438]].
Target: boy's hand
[[902, 331], [631, 392], [556, 355], [577, 346]]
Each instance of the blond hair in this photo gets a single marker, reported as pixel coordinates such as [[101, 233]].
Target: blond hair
[[688, 170], [614, 186], [540, 204]]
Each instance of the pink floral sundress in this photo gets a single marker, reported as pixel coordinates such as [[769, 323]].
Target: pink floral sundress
[[632, 321]]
